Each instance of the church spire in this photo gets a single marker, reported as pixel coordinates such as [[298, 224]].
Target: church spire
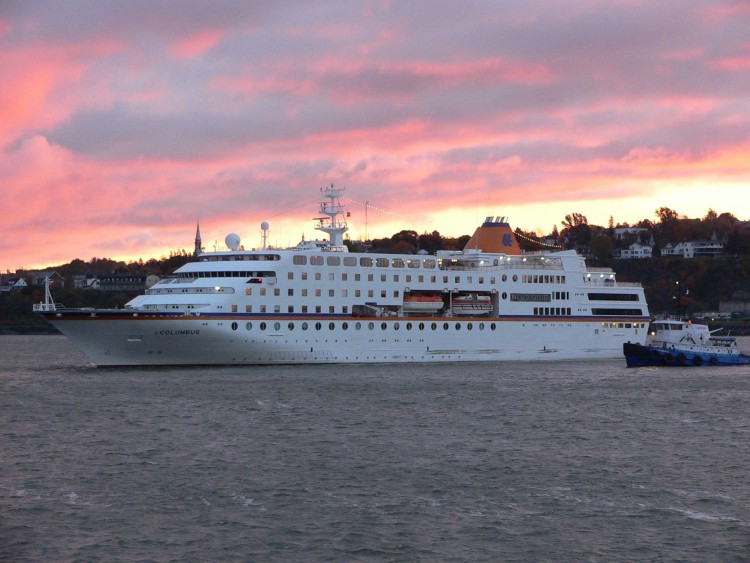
[[198, 247]]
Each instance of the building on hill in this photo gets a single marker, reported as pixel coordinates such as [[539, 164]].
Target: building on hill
[[85, 281], [635, 251], [14, 284], [621, 232], [695, 248], [38, 278]]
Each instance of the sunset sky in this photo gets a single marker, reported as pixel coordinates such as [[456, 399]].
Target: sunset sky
[[122, 123]]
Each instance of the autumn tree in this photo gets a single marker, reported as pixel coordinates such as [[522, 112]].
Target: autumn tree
[[666, 215], [430, 242], [576, 229]]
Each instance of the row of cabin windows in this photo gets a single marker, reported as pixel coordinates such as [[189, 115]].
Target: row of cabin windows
[[366, 326], [555, 311], [254, 257], [395, 326], [539, 278], [305, 292], [291, 309], [365, 261], [408, 278], [220, 274]]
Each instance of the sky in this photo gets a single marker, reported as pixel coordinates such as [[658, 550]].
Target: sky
[[123, 124]]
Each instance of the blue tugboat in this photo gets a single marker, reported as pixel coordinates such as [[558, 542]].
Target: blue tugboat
[[682, 343]]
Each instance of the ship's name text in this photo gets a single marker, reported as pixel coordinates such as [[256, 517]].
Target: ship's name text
[[529, 297]]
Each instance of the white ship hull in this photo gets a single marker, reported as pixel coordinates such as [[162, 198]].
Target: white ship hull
[[199, 341], [318, 303]]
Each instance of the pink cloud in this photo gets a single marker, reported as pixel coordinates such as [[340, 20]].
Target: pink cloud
[[197, 44], [117, 136], [250, 86]]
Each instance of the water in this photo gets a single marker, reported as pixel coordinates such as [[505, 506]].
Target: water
[[479, 462]]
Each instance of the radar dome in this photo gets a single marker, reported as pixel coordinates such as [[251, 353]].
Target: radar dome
[[264, 226], [232, 241]]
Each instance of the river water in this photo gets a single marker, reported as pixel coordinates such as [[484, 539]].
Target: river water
[[457, 462]]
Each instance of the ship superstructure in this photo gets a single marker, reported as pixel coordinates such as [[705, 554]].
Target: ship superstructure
[[317, 303]]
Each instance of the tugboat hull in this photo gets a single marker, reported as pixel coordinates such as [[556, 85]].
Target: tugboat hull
[[637, 355]]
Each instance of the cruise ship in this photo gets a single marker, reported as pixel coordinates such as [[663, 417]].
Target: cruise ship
[[319, 303]]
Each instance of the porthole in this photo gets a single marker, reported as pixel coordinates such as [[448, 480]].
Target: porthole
[[331, 326], [383, 326], [433, 326], [481, 326], [505, 295], [262, 326], [421, 326], [408, 326], [458, 326], [445, 326], [249, 326], [469, 326], [505, 277], [304, 326], [345, 326], [318, 326], [234, 326], [277, 326], [515, 277], [371, 325], [290, 326], [395, 326], [358, 325], [492, 326]]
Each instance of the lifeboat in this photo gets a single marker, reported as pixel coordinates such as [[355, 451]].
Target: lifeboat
[[423, 303], [472, 304]]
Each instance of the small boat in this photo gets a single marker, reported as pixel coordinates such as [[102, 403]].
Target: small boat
[[422, 303], [471, 304], [673, 342]]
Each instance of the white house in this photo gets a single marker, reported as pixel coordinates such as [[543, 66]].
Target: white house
[[693, 248], [636, 250], [86, 281], [14, 284]]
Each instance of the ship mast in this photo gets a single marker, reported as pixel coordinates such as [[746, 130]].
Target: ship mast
[[334, 225]]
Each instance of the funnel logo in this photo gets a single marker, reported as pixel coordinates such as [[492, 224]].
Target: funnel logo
[[507, 240]]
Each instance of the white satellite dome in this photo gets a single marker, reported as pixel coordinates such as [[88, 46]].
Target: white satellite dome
[[232, 241]]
